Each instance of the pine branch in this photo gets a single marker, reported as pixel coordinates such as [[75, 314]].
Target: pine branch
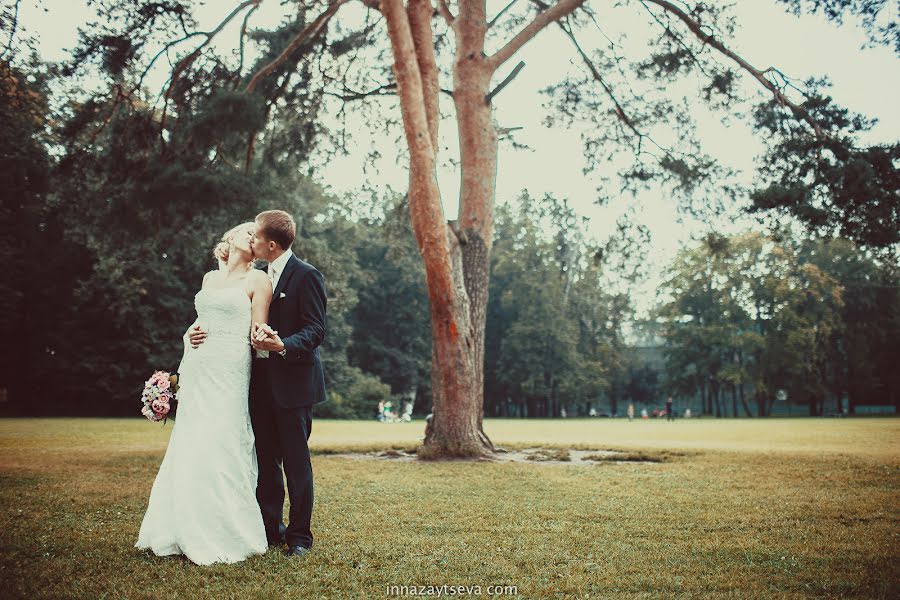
[[710, 40], [552, 14], [186, 62], [308, 33]]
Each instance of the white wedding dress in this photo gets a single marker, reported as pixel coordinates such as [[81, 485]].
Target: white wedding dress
[[203, 502]]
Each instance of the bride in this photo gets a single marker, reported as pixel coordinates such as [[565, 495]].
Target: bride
[[203, 502]]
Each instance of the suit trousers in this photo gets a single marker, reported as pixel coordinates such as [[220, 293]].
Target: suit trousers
[[282, 436]]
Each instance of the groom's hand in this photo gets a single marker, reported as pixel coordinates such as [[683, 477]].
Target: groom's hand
[[196, 336]]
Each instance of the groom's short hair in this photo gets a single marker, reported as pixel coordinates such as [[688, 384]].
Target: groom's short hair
[[277, 226]]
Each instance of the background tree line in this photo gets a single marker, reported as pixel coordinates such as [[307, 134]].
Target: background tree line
[[110, 206], [106, 250], [749, 317], [109, 248]]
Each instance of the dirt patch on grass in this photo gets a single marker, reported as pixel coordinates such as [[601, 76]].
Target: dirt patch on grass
[[543, 456], [659, 456]]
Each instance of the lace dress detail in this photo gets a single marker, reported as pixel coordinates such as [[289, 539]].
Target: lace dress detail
[[203, 502]]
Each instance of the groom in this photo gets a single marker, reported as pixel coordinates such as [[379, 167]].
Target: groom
[[286, 381]]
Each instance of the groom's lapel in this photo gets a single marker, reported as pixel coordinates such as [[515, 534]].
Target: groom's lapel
[[289, 270]]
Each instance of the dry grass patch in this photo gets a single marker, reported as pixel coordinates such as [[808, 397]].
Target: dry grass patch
[[548, 454]]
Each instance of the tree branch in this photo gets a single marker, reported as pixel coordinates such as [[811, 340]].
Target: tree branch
[[676, 37], [621, 114], [308, 33], [496, 18], [554, 13], [360, 95], [112, 111], [270, 105], [409, 80], [505, 82], [419, 13], [595, 72], [444, 9], [164, 49], [799, 112], [12, 31], [242, 35], [185, 62]]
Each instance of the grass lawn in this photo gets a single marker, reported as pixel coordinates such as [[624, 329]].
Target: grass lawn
[[737, 508]]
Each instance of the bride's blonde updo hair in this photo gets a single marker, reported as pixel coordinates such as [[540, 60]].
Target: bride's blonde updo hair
[[223, 249]]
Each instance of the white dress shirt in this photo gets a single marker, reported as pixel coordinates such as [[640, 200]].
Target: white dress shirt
[[276, 268]]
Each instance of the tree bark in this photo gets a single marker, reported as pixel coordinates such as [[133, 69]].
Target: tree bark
[[715, 398], [734, 409], [478, 169], [744, 401], [457, 254], [457, 387]]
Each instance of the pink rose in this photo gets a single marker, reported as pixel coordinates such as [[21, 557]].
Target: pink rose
[[160, 407], [163, 384]]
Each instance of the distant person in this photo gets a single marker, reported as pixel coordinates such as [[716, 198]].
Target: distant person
[[630, 411], [407, 412], [562, 412], [669, 415], [380, 416], [644, 414], [592, 412], [687, 413]]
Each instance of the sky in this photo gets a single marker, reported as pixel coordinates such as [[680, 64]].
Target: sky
[[866, 80]]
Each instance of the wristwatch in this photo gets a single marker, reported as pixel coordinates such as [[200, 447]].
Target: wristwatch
[[283, 353]]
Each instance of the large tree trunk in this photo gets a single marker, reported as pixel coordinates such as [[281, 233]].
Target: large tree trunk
[[734, 410], [715, 398], [456, 255], [457, 372], [744, 401], [478, 177]]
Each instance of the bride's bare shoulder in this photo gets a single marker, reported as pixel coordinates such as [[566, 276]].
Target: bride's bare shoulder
[[208, 278], [257, 277]]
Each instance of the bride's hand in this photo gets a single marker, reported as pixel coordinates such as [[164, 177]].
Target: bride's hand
[[262, 332], [266, 338]]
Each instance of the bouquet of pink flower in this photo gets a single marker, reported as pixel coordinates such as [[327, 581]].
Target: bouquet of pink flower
[[159, 396]]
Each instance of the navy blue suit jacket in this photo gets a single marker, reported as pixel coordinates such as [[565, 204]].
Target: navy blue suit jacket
[[297, 313]]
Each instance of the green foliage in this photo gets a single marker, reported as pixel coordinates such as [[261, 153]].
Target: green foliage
[[553, 336], [119, 198], [391, 321], [38, 289], [234, 113], [775, 314], [878, 17], [829, 185]]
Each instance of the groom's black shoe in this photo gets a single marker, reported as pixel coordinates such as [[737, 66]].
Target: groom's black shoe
[[297, 551]]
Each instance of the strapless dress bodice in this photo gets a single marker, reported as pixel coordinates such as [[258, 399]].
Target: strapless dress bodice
[[224, 312]]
